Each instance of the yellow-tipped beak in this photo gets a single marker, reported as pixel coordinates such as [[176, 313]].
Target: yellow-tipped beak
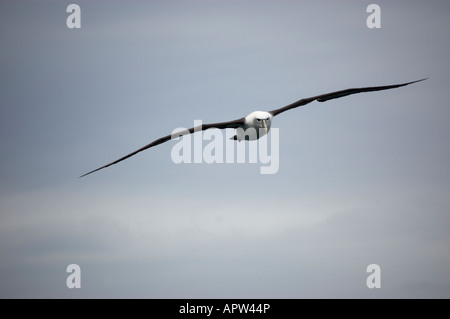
[[265, 126]]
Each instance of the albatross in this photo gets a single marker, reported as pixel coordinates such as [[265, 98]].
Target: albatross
[[258, 120]]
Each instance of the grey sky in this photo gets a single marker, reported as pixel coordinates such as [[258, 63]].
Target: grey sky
[[362, 180]]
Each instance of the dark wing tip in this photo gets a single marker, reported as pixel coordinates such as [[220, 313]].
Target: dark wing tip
[[92, 171], [414, 81]]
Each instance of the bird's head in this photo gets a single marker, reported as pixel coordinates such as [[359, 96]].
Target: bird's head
[[259, 119]]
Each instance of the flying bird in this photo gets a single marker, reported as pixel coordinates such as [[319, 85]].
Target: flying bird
[[259, 120]]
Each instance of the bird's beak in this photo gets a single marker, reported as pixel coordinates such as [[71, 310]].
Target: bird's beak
[[264, 123]]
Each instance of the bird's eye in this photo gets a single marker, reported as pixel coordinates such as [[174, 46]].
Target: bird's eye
[[258, 120]]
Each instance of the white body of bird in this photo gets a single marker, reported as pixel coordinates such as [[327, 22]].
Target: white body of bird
[[257, 124]]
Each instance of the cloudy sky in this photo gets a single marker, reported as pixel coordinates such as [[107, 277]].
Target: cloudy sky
[[362, 180]]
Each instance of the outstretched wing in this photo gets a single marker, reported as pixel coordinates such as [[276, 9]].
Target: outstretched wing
[[338, 94], [222, 125]]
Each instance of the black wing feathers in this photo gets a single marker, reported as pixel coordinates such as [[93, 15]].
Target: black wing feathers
[[221, 125]]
